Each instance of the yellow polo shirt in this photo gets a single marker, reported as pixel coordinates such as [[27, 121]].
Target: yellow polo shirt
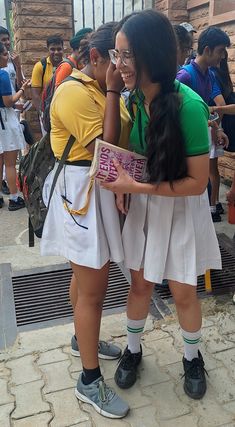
[[78, 109], [38, 80]]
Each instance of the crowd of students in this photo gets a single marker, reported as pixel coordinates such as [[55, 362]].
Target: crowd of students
[[168, 231]]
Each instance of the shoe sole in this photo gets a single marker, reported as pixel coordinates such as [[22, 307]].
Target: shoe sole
[[193, 395], [100, 411], [76, 353]]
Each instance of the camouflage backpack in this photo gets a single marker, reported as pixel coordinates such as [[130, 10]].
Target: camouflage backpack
[[33, 170]]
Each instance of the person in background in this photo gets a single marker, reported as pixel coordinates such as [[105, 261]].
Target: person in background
[[184, 45], [44, 69], [191, 31], [82, 222], [168, 232], [11, 133], [65, 68], [224, 81], [15, 73], [212, 45]]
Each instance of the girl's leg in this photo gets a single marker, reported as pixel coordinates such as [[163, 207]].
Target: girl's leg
[[106, 350], [91, 290], [73, 292], [92, 286], [137, 310], [215, 183], [190, 318], [10, 165], [15, 201]]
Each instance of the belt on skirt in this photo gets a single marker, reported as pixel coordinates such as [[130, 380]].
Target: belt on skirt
[[83, 210], [77, 162]]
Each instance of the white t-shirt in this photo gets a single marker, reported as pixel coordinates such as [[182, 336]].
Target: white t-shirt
[[10, 69]]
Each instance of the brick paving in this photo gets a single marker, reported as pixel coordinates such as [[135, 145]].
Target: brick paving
[[38, 376]]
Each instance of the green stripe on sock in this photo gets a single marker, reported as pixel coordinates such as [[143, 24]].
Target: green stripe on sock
[[134, 331], [191, 341]]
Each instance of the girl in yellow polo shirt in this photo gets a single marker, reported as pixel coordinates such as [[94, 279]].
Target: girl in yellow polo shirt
[[83, 107]]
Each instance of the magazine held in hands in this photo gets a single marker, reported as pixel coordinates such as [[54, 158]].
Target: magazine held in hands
[[103, 169]]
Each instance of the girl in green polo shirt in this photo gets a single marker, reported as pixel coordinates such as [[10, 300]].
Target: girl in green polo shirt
[[168, 232]]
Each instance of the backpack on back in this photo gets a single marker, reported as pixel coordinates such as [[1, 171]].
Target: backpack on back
[[47, 95], [34, 168]]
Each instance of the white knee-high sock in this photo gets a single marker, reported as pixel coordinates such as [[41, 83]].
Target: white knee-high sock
[[191, 344], [134, 332]]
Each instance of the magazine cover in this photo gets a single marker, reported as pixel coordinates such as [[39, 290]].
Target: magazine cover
[[103, 168]]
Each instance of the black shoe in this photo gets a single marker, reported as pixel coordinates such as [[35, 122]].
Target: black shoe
[[194, 377], [1, 202], [5, 188], [219, 208], [28, 136], [15, 205], [125, 375], [215, 217]]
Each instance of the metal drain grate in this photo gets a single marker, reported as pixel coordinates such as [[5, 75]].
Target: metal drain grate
[[223, 281], [45, 296]]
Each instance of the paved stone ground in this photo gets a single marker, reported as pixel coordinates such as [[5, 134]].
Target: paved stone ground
[[38, 376]]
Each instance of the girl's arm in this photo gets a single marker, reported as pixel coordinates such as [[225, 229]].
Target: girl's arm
[[224, 109], [194, 184], [112, 119], [10, 100]]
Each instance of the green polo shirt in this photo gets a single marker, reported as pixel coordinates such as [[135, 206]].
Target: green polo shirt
[[194, 115]]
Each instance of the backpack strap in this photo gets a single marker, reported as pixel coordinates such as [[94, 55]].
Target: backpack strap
[[44, 66], [68, 61], [31, 234], [65, 153], [70, 78], [61, 164], [190, 69]]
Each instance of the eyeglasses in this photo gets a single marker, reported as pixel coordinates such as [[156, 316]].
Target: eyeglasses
[[125, 56]]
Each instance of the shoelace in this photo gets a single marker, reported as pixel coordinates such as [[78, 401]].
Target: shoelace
[[105, 392], [104, 344], [195, 369]]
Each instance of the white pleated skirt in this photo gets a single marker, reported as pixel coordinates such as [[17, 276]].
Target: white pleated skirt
[[89, 240], [170, 238], [11, 133]]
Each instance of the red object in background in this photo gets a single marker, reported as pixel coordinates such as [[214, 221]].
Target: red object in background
[[231, 214]]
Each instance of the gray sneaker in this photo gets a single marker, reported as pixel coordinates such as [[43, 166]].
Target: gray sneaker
[[106, 350], [104, 399]]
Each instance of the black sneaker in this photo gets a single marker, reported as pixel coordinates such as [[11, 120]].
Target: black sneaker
[[15, 205], [219, 208], [1, 202], [5, 188], [194, 377], [215, 217], [125, 375]]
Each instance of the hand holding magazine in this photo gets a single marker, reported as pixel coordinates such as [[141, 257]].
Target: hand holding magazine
[[103, 169]]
